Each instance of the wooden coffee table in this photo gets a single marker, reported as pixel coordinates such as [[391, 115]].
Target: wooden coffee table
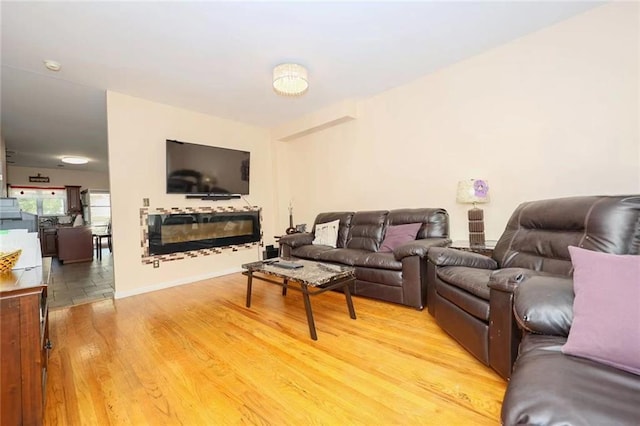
[[314, 278]]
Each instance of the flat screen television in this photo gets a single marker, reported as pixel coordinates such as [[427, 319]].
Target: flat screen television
[[206, 170]]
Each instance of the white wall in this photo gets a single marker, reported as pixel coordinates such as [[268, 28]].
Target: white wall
[[549, 115], [3, 168], [137, 133], [58, 177]]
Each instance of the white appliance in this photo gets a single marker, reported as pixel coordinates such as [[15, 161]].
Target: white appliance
[[11, 217], [96, 203]]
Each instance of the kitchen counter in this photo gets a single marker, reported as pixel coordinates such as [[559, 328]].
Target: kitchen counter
[[75, 244], [70, 244], [49, 241], [48, 231]]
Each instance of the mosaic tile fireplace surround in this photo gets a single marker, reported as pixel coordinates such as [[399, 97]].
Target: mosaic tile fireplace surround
[[180, 233]]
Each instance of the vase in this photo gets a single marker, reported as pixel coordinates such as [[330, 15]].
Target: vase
[[291, 229]]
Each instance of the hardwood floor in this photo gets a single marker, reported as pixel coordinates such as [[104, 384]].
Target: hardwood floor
[[195, 355]]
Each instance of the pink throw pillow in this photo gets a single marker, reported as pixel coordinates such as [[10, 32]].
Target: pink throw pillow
[[398, 235], [606, 309]]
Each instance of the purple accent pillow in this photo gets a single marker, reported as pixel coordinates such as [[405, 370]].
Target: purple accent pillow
[[398, 235], [606, 309]]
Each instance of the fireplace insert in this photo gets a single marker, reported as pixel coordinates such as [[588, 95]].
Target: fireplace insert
[[173, 233]]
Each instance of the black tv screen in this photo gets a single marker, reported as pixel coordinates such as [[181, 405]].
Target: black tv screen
[[206, 170]]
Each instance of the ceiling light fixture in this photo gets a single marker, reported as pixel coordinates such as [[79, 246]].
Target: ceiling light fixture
[[52, 65], [74, 160], [290, 80]]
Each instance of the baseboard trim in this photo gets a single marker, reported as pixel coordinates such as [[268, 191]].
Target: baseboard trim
[[161, 286]]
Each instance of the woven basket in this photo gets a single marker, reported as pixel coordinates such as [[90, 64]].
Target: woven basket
[[8, 260]]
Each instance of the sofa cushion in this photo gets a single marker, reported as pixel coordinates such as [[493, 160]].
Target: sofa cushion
[[362, 258], [398, 235], [380, 261], [345, 224], [345, 256], [366, 230], [326, 234], [310, 251], [471, 280], [435, 222], [550, 388], [606, 313]]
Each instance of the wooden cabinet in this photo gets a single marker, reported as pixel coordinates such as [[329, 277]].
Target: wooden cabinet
[[74, 205], [75, 244], [24, 344], [48, 241]]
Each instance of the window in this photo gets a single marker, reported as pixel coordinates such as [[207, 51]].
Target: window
[[41, 200], [99, 208]]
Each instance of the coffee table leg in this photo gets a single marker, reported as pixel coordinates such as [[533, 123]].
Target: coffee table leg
[[347, 295], [284, 286], [249, 277], [307, 307]]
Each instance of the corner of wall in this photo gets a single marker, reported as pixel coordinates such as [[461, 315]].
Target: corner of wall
[[323, 119]]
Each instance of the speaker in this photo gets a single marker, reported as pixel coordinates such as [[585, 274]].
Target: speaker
[[269, 253]]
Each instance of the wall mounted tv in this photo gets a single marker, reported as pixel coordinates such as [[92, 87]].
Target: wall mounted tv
[[206, 170]]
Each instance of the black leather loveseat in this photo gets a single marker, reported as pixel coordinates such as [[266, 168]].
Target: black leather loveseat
[[398, 276]]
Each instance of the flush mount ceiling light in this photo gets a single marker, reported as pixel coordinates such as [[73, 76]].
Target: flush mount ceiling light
[[74, 160], [290, 80], [52, 65]]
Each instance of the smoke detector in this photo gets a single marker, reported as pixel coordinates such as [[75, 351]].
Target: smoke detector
[[52, 65]]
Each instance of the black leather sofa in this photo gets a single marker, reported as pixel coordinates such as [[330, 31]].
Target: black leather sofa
[[471, 295], [548, 387], [397, 277]]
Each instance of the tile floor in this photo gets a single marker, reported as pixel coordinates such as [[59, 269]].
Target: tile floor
[[83, 282]]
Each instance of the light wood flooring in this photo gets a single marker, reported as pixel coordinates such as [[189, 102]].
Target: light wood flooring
[[195, 355]]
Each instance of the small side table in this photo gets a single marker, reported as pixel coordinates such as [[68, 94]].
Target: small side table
[[486, 249]]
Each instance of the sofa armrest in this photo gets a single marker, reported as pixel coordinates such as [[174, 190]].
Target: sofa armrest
[[544, 305], [443, 256], [296, 240], [419, 247], [504, 326], [507, 279]]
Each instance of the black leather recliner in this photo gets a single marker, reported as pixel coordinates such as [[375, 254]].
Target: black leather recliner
[[471, 295]]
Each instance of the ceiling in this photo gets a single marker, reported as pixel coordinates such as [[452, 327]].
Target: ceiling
[[217, 58]]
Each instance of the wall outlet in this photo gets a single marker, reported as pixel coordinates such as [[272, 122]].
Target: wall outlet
[[145, 202], [156, 263]]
